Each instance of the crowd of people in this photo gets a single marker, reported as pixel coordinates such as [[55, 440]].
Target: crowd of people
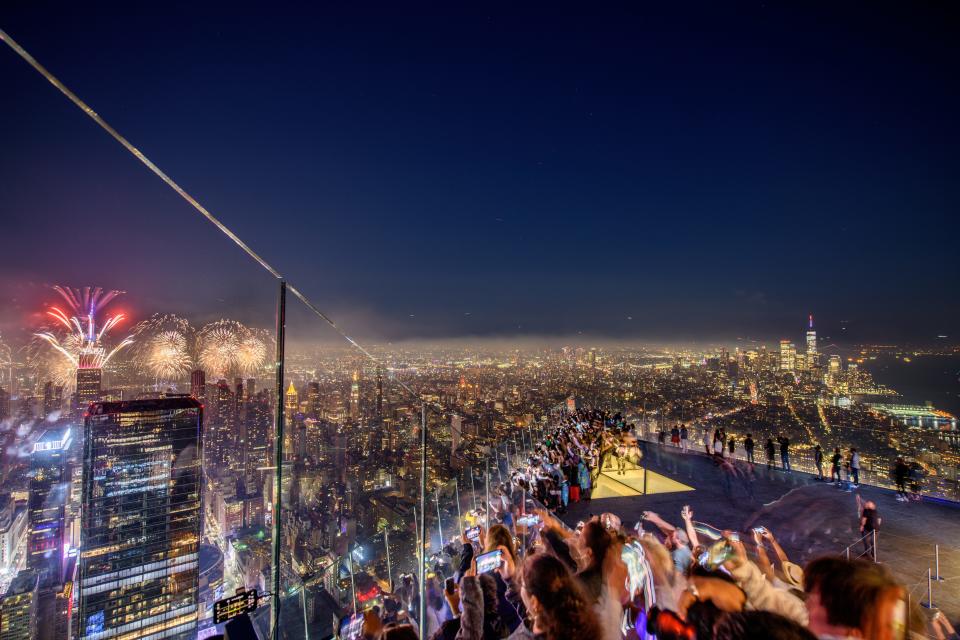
[[527, 575]]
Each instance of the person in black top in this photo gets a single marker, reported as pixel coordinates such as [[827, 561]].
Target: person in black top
[[900, 474], [771, 450], [835, 465], [818, 460], [869, 524], [731, 445], [748, 446], [784, 452]]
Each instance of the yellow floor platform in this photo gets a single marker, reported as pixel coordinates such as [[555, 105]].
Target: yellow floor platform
[[611, 484]]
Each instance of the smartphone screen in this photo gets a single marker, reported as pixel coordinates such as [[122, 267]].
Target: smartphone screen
[[473, 533], [351, 628], [489, 561]]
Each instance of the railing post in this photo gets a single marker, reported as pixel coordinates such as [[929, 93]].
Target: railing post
[[422, 573], [848, 553], [386, 544], [938, 577], [874, 534], [278, 460], [929, 603]]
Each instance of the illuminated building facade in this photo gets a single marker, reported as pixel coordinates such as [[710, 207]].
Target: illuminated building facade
[[46, 505], [198, 384], [291, 402], [788, 356], [140, 532], [89, 382], [18, 608]]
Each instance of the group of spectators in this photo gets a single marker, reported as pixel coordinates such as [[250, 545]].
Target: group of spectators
[[608, 581]]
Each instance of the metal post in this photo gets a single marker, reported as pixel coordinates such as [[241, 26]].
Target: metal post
[[303, 607], [473, 486], [416, 528], [278, 461], [456, 488], [353, 585], [486, 484], [848, 553], [874, 534], [937, 577], [439, 525], [929, 603], [422, 617], [386, 544], [499, 473]]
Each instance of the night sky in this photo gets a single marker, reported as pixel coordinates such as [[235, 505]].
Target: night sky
[[699, 172]]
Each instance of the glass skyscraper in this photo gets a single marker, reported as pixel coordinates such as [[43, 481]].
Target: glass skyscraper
[[47, 503], [140, 531]]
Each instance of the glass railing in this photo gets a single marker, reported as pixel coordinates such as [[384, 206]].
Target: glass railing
[[936, 477]]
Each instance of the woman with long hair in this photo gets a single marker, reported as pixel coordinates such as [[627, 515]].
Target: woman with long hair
[[557, 605]]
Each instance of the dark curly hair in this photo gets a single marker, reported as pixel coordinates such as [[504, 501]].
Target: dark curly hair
[[565, 612]]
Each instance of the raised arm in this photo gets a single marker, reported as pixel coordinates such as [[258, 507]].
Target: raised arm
[[687, 514], [659, 522], [763, 562], [777, 549]]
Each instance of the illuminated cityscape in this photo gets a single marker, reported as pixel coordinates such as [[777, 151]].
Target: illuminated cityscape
[[280, 322]]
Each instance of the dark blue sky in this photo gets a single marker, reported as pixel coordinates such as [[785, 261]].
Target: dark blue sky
[[705, 171]]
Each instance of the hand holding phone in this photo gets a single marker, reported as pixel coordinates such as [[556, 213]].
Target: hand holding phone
[[490, 561]]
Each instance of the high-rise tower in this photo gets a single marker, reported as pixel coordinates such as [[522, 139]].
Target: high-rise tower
[[291, 402], [140, 528], [813, 359], [49, 488], [788, 356], [198, 384], [355, 396], [89, 380]]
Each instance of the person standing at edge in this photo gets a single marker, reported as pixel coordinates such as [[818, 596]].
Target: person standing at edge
[[784, 452], [748, 447], [818, 460], [684, 442], [835, 465], [771, 451], [855, 466]]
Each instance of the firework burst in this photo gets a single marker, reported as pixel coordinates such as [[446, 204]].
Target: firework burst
[[164, 348], [227, 347], [76, 339]]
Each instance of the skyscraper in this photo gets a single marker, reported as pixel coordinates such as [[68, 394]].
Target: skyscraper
[[379, 393], [18, 608], [291, 402], [813, 360], [198, 384], [355, 396], [788, 356], [47, 501], [140, 532], [89, 381]]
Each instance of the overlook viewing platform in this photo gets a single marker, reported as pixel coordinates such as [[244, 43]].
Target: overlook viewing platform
[[810, 518]]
